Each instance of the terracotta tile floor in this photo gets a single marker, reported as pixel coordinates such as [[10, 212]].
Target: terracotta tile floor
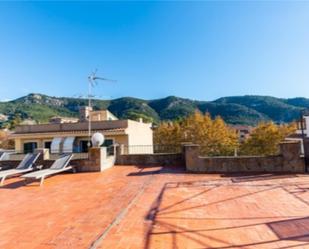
[[130, 207]]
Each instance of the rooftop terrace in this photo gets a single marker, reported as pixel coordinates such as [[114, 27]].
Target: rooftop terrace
[[131, 207]]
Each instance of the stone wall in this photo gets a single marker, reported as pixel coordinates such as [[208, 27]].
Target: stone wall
[[289, 161], [98, 161], [306, 151]]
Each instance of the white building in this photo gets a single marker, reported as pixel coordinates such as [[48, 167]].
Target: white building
[[302, 129], [64, 135]]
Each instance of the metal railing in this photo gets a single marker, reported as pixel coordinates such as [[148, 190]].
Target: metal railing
[[76, 156], [206, 151], [211, 151], [19, 155], [150, 149]]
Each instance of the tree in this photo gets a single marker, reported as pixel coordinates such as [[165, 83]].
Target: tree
[[168, 137], [265, 139], [5, 142], [15, 121], [136, 116], [213, 135]]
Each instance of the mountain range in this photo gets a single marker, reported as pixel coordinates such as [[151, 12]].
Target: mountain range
[[248, 110]]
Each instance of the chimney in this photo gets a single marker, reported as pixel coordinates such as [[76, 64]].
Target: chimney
[[84, 113]]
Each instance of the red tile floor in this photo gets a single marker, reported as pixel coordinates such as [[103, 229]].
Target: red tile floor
[[134, 207]]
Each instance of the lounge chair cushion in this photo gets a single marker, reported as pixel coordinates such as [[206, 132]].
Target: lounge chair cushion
[[62, 162], [28, 161]]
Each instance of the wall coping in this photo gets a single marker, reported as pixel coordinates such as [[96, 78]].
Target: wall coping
[[154, 154], [238, 157]]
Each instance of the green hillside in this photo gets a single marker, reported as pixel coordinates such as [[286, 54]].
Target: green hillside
[[235, 110]]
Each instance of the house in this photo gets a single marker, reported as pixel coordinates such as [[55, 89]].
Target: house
[[3, 117], [66, 137], [28, 122], [62, 120], [86, 112], [303, 125], [302, 130], [243, 131]]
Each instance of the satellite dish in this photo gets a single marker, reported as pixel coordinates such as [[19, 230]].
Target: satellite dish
[[97, 139]]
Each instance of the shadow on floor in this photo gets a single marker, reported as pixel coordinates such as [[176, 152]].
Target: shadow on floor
[[257, 177], [14, 185], [163, 170], [293, 229], [286, 228]]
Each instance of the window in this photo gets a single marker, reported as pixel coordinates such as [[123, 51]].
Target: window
[[110, 149], [30, 147], [108, 142], [47, 145], [301, 124], [83, 146]]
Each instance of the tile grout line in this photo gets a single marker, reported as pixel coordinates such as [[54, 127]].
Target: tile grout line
[[120, 216]]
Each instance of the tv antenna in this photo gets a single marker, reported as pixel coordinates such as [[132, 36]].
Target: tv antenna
[[92, 82]]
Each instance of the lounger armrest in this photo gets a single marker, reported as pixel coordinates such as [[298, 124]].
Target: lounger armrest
[[39, 167], [73, 166]]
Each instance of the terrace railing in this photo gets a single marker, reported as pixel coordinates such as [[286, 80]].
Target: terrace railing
[[19, 155], [150, 149]]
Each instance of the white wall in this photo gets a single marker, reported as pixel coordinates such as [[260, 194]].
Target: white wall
[[140, 137], [306, 128]]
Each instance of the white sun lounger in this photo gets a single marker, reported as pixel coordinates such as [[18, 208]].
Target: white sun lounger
[[60, 165], [2, 155], [26, 165]]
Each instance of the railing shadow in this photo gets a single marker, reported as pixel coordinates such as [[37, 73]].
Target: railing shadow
[[236, 177], [171, 226], [160, 170]]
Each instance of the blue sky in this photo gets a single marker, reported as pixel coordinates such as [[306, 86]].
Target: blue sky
[[199, 50]]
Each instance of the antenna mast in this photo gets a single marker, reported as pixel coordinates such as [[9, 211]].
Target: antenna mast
[[91, 83]]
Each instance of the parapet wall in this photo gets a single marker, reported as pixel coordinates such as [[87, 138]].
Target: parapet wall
[[288, 161], [97, 161]]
